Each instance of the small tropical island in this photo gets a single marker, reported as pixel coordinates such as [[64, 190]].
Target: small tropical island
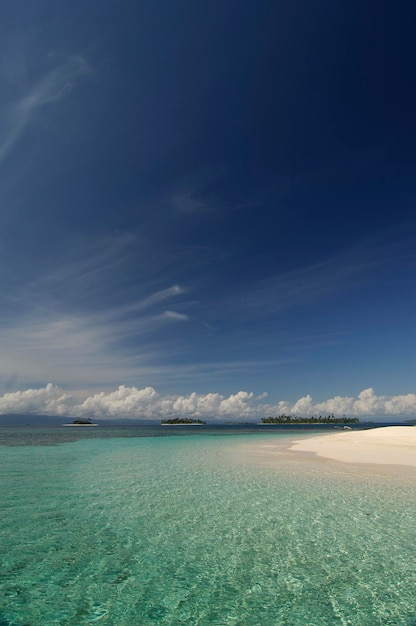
[[81, 422], [182, 421], [315, 419]]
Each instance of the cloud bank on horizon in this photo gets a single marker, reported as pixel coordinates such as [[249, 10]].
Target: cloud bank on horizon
[[148, 404]]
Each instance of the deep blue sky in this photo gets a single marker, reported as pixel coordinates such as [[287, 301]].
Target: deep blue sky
[[208, 197]]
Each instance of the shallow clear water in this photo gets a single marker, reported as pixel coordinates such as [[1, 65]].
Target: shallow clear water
[[124, 530]]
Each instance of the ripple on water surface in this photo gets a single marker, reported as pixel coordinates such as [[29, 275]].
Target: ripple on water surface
[[172, 530]]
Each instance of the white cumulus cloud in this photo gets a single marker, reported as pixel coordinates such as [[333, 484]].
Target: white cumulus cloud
[[146, 403], [125, 402], [49, 400], [237, 404]]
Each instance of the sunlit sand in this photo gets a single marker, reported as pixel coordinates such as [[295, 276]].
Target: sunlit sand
[[384, 451], [390, 445]]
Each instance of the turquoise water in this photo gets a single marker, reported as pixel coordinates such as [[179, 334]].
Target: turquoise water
[[124, 530]]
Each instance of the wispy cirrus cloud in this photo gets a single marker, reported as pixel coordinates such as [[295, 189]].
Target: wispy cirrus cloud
[[53, 86], [82, 322], [80, 350], [341, 273], [174, 316], [188, 201], [195, 193], [303, 286]]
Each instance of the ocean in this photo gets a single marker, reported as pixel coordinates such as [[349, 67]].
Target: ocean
[[144, 526]]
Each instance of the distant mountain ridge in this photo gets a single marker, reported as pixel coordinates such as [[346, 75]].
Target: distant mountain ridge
[[13, 419], [22, 419]]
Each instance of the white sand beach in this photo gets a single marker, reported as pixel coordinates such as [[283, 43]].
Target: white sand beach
[[390, 445]]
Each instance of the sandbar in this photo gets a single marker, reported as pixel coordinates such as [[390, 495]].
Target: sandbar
[[387, 445]]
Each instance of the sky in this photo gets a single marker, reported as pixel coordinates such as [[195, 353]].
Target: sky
[[207, 208]]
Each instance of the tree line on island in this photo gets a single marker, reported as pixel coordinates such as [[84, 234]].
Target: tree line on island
[[182, 420], [315, 419], [280, 419]]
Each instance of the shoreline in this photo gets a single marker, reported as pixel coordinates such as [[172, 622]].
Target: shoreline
[[389, 445], [183, 424], [388, 452], [87, 425]]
